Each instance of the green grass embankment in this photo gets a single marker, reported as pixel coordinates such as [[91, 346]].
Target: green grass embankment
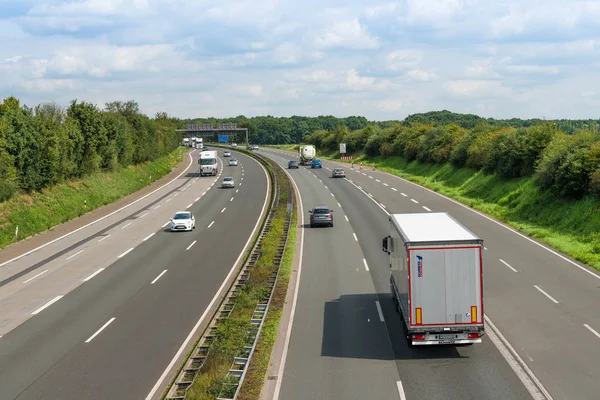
[[39, 211], [572, 227]]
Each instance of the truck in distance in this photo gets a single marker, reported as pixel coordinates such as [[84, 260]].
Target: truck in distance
[[208, 163], [307, 154], [436, 278]]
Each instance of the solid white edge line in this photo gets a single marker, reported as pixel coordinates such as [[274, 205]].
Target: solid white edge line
[[100, 330], [595, 332], [366, 265], [508, 265], [93, 274], [48, 304], [400, 390], [595, 275], [149, 236], [99, 219], [33, 277], [126, 225], [545, 294], [190, 246], [224, 208], [125, 253], [521, 369], [158, 277], [379, 311], [211, 224], [105, 237], [214, 299], [288, 333], [355, 238], [73, 255]]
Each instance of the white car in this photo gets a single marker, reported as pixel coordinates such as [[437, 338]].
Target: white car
[[233, 162], [228, 182], [255, 147], [226, 153], [233, 144], [183, 221]]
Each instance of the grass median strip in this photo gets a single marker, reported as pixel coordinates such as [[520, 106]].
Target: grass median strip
[[253, 382]]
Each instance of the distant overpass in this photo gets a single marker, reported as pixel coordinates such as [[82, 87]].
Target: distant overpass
[[221, 132]]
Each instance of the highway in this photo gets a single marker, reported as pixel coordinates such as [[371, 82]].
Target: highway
[[542, 304], [119, 297]]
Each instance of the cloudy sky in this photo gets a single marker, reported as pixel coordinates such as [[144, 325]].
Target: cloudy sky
[[381, 59]]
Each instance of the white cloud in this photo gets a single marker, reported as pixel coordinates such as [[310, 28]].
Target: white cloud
[[382, 59]]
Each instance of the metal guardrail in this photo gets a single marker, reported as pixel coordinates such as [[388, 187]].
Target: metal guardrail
[[235, 376]]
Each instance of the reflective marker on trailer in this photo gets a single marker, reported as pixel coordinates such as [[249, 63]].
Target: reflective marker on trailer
[[418, 316], [474, 314]]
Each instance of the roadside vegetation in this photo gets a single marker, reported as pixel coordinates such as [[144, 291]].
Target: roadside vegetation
[[40, 210], [52, 159], [538, 179], [230, 336]]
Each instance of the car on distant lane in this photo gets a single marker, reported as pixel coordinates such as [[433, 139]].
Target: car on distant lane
[[293, 164], [338, 173], [233, 162], [228, 182]]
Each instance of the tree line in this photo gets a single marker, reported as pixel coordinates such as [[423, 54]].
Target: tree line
[[566, 164], [47, 144]]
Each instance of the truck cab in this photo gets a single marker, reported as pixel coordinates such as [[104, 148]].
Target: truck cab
[[208, 163]]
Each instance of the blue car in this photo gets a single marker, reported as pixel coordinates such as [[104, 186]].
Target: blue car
[[316, 164]]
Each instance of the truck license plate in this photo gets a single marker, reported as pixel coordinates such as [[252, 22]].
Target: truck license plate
[[446, 337]]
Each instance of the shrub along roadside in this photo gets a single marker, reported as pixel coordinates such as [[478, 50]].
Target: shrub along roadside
[[568, 225], [39, 211], [230, 334]]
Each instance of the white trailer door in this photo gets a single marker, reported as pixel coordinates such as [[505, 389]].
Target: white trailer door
[[445, 285]]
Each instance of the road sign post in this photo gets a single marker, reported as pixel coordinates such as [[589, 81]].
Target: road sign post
[[342, 148]]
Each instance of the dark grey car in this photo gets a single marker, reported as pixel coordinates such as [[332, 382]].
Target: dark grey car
[[321, 215]]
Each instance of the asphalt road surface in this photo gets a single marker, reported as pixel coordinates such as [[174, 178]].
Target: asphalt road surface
[[542, 303], [131, 290]]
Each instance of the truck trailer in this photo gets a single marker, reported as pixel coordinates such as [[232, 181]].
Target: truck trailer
[[436, 278]]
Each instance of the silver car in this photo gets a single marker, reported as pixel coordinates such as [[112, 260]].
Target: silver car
[[228, 182], [226, 153], [338, 172], [233, 162], [183, 221]]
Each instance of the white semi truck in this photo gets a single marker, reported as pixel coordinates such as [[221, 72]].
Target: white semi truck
[[436, 278], [208, 163]]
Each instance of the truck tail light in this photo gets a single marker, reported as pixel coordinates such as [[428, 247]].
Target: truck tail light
[[474, 335], [418, 337]]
